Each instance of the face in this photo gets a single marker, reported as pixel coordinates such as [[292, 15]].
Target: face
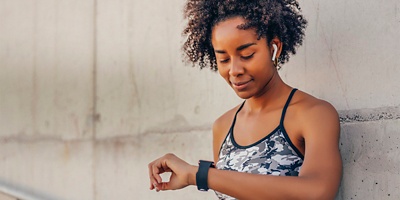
[[243, 59]]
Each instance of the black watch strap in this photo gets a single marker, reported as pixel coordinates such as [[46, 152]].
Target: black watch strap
[[202, 174]]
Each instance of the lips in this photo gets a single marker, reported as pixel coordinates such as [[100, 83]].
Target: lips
[[240, 85]]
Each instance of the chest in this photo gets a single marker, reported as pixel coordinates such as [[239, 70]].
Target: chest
[[251, 129], [272, 155]]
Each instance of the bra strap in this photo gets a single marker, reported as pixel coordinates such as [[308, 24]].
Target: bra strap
[[287, 105], [234, 119]]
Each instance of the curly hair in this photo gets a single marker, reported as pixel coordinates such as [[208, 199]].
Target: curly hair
[[269, 18]]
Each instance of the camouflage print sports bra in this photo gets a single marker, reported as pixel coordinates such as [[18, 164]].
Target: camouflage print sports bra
[[275, 154]]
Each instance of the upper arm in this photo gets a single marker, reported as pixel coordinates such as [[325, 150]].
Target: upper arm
[[217, 137], [322, 160], [220, 130]]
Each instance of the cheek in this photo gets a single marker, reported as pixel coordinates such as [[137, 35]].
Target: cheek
[[263, 64], [224, 73], [221, 71]]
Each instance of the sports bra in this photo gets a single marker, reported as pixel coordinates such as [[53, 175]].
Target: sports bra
[[274, 154]]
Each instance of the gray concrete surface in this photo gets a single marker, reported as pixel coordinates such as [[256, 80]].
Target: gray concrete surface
[[6, 197], [93, 90]]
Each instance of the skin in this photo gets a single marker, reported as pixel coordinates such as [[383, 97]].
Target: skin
[[244, 61]]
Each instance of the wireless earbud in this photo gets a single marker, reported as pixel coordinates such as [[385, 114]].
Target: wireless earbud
[[275, 51]]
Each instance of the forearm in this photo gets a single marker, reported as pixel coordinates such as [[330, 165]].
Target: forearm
[[254, 186]]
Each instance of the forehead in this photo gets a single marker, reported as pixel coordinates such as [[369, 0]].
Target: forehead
[[227, 32]]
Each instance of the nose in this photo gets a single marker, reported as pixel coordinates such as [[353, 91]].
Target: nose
[[236, 68]]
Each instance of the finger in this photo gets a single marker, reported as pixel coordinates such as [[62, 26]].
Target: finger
[[153, 184], [156, 173], [164, 186], [150, 175], [166, 168], [153, 181]]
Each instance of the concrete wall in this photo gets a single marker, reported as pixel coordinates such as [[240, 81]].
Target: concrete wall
[[93, 90]]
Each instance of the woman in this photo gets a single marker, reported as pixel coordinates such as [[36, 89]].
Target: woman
[[280, 143]]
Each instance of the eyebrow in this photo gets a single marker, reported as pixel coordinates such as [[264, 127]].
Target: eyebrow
[[241, 47]]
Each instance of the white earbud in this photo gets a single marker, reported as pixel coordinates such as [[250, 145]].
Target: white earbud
[[275, 51]]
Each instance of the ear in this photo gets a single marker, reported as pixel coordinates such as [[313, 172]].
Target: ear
[[279, 44]]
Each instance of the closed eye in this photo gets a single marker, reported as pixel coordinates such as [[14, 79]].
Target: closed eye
[[224, 60], [249, 56]]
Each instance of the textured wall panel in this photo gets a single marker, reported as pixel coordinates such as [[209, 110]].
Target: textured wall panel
[[142, 83], [371, 160], [48, 169], [46, 97], [46, 72], [350, 54]]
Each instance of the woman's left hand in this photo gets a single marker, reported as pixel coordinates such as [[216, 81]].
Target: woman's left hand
[[182, 174]]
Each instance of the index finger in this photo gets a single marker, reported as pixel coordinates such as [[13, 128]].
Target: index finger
[[153, 181]]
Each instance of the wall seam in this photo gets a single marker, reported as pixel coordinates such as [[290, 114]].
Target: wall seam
[[369, 114]]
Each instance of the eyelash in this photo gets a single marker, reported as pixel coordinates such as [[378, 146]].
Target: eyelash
[[244, 57], [224, 61], [248, 57]]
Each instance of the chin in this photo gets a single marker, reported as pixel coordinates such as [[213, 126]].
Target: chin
[[244, 95]]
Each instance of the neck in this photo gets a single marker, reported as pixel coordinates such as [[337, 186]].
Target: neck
[[273, 95]]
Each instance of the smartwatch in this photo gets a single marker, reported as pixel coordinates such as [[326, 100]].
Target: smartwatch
[[202, 174]]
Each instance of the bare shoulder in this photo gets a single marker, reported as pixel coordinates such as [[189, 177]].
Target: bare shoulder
[[223, 123], [311, 105], [317, 113], [220, 129]]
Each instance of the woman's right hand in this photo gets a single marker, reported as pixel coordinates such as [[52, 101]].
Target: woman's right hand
[[182, 174]]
